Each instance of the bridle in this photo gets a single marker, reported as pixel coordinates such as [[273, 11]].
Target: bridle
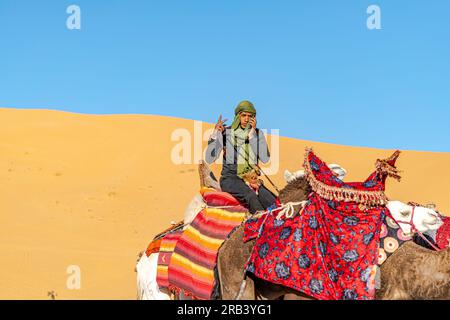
[[415, 230]]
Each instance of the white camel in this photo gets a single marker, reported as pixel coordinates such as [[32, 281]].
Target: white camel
[[337, 169], [424, 220], [146, 267], [146, 270]]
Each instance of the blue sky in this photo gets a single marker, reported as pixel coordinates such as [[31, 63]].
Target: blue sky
[[312, 68]]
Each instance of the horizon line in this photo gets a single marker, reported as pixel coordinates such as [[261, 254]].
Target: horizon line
[[190, 119]]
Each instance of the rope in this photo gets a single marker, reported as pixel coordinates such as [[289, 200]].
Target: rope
[[288, 209], [428, 241], [244, 281], [414, 229], [221, 207]]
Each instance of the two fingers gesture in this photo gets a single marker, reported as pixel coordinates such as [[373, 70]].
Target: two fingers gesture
[[220, 125]]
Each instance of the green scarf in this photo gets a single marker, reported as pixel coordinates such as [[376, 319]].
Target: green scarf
[[245, 154]]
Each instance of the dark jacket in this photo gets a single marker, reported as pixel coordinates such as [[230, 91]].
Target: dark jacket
[[216, 144]]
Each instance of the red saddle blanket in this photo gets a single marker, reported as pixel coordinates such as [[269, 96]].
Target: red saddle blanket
[[443, 234], [194, 257], [330, 249]]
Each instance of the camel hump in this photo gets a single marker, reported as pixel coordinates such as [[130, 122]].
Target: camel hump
[[207, 177]]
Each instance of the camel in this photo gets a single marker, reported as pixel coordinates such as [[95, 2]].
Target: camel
[[425, 274], [231, 269], [146, 267], [233, 254]]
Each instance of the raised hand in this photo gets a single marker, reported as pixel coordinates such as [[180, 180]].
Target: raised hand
[[253, 122], [220, 125]]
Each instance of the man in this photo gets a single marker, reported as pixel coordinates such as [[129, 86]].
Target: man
[[243, 145]]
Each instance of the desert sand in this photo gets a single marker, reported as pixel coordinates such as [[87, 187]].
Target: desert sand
[[92, 191]]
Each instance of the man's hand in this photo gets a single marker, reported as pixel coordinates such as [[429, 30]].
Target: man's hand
[[252, 122], [220, 125]]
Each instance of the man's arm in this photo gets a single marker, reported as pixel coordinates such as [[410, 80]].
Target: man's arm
[[215, 146], [259, 146]]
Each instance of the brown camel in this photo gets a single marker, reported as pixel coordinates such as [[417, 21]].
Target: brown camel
[[412, 272], [425, 274], [233, 254]]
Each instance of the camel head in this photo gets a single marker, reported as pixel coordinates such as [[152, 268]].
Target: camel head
[[337, 169], [425, 219]]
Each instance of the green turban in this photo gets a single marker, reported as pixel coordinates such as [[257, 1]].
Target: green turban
[[246, 106]]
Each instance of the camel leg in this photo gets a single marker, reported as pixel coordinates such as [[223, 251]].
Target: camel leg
[[296, 296], [394, 294], [268, 291], [231, 278], [231, 260]]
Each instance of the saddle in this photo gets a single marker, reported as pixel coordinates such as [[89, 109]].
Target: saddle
[[191, 257], [330, 250], [209, 180], [155, 245]]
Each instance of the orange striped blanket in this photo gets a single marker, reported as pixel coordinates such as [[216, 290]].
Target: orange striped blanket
[[166, 248], [191, 266]]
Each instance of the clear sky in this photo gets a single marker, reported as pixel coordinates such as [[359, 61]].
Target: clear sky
[[312, 68]]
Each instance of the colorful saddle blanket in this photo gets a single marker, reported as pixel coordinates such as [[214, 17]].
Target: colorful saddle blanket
[[330, 249], [166, 247], [194, 258]]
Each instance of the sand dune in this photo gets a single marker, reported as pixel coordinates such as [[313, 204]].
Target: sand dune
[[92, 191]]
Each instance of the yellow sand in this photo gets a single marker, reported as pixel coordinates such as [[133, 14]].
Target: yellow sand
[[92, 191]]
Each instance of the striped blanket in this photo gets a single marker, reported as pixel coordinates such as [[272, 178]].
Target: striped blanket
[[166, 248], [192, 264]]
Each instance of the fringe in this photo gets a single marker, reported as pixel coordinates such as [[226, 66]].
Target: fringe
[[177, 291], [369, 198]]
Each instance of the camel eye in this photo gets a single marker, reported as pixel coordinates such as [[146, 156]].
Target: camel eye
[[405, 213]]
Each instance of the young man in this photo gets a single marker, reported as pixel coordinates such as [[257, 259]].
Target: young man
[[243, 145]]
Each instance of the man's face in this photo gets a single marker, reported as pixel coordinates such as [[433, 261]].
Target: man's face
[[245, 118]]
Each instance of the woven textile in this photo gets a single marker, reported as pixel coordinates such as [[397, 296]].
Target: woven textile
[[166, 249], [192, 264], [329, 250]]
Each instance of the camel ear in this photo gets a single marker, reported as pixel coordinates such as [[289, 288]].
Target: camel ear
[[431, 206], [288, 176], [405, 210], [207, 178], [337, 169], [300, 173]]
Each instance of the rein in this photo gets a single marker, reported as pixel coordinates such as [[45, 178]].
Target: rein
[[414, 229], [286, 210], [259, 168], [243, 286]]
